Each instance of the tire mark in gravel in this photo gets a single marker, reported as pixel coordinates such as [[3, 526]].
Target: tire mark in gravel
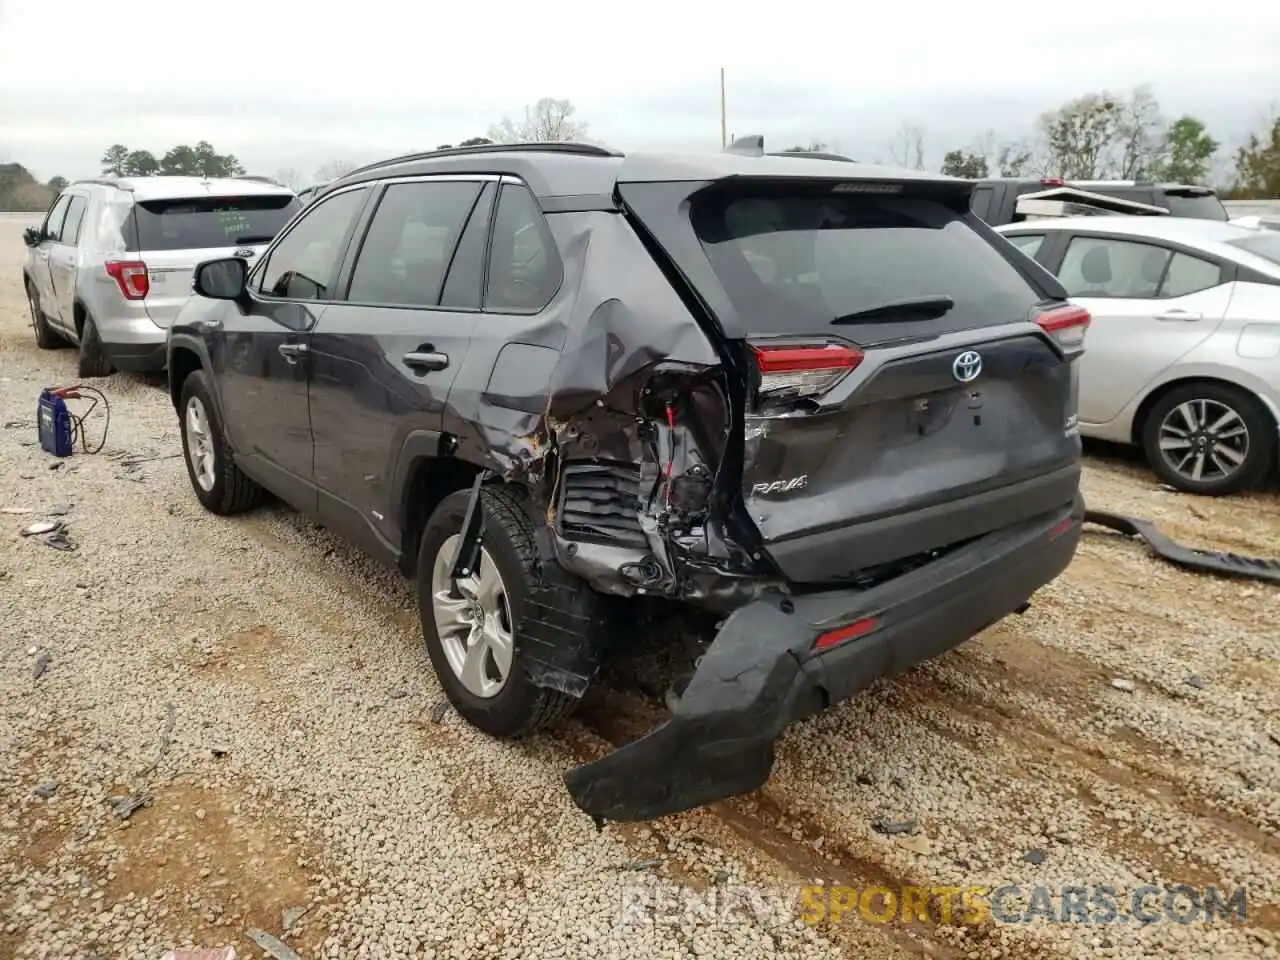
[[1037, 750], [801, 846]]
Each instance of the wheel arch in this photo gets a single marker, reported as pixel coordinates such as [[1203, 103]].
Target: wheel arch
[[182, 362], [426, 472]]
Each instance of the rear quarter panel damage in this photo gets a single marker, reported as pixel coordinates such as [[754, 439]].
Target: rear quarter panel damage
[[614, 410]]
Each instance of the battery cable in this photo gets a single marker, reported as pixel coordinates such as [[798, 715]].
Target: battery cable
[[77, 392]]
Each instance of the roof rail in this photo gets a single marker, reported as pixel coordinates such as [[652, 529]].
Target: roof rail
[[100, 181], [553, 146], [813, 155], [752, 146]]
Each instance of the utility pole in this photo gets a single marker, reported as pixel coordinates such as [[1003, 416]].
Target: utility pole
[[724, 123]]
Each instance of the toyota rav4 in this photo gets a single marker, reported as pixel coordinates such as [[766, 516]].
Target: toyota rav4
[[819, 403]]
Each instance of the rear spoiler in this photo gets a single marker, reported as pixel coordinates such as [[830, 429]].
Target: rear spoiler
[[753, 146], [1074, 202]]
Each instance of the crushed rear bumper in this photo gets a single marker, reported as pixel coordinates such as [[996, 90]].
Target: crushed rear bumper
[[760, 673]]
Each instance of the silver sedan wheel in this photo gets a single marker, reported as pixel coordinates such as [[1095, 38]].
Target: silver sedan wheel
[[200, 444], [473, 621], [1204, 440]]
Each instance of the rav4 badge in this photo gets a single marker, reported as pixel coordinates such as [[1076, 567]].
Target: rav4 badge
[[780, 486]]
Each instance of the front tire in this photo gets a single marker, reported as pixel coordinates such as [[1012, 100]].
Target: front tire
[[93, 358], [219, 484], [46, 337], [476, 628], [1210, 439]]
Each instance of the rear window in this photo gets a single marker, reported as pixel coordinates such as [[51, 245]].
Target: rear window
[[202, 222], [1265, 245], [1202, 207], [793, 263]]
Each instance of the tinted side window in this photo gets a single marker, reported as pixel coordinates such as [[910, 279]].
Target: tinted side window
[[409, 242], [75, 217], [1097, 267], [1188, 275], [1028, 243], [463, 286], [304, 264], [524, 269], [980, 203], [53, 222]]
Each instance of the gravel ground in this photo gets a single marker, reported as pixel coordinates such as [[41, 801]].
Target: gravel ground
[[262, 690]]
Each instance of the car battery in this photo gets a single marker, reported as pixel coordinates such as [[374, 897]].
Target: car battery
[[53, 421]]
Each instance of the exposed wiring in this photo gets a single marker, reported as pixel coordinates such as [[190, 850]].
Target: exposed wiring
[[77, 392]]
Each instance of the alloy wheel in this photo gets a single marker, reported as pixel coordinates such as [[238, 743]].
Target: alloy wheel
[[200, 451], [473, 621], [1204, 440]]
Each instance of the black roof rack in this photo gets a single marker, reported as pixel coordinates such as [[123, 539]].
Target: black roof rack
[[555, 146]]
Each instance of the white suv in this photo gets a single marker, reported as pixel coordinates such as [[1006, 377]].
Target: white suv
[[111, 264]]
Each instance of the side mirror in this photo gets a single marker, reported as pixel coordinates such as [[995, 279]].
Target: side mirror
[[221, 279], [31, 236]]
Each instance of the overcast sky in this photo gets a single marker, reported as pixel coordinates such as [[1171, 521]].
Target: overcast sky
[[288, 84]]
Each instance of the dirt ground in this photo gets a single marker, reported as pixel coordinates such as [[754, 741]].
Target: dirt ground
[[260, 691]]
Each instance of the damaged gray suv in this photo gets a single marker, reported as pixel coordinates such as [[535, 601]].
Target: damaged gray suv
[[818, 405]]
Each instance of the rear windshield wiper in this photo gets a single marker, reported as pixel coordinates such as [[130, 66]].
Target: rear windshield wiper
[[926, 308], [255, 238]]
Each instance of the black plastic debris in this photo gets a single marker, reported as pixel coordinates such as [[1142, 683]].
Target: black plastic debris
[[46, 790], [439, 710], [1034, 857], [1213, 562], [41, 665]]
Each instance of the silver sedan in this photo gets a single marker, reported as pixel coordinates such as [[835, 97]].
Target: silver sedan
[[1182, 357]]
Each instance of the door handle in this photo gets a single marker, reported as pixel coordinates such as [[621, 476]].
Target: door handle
[[291, 351], [1176, 316], [426, 360]]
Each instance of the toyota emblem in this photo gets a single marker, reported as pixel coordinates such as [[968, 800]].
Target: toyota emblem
[[967, 366]]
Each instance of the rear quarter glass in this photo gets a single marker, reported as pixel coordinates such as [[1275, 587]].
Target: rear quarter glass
[[199, 223], [792, 262]]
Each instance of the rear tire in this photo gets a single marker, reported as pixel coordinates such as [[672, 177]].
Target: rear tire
[[518, 707], [221, 488], [46, 337], [1228, 427], [93, 359]]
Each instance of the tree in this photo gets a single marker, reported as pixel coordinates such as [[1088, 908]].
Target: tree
[[290, 177], [1013, 159], [113, 159], [141, 163], [971, 166], [813, 147], [1188, 153], [209, 163], [1141, 135], [907, 149], [475, 142], [1257, 173], [547, 121], [57, 184], [333, 170], [1079, 136]]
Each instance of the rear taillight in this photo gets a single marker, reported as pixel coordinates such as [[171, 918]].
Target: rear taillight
[[1067, 325], [800, 372], [1053, 182], [131, 277]]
